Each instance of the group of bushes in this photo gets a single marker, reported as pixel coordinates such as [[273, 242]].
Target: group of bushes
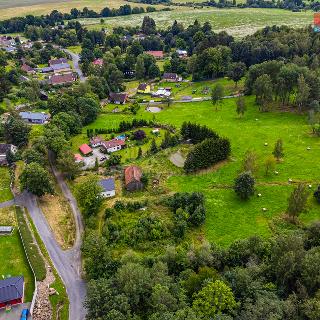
[[32, 251]]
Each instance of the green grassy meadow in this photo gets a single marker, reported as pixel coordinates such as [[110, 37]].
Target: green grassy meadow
[[237, 22], [5, 192], [227, 217]]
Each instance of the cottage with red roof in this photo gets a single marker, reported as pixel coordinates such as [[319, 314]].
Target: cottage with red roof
[[61, 79], [118, 98], [78, 158], [27, 68], [113, 145], [98, 62], [132, 178], [85, 149], [156, 54]]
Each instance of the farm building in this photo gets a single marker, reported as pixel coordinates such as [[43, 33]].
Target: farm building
[[85, 149], [162, 92], [4, 150], [5, 230], [96, 142], [57, 61], [155, 54], [11, 291], [78, 158], [171, 77], [27, 68], [34, 117], [118, 98], [61, 79], [144, 88], [98, 62], [61, 67], [109, 189], [132, 178], [113, 145]]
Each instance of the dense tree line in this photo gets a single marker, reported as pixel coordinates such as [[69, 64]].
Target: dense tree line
[[251, 279]]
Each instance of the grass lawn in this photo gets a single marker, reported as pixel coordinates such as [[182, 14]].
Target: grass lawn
[[237, 22], [13, 259], [227, 217], [5, 192], [75, 49]]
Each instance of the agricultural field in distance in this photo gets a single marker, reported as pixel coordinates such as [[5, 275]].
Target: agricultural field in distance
[[237, 22], [8, 9]]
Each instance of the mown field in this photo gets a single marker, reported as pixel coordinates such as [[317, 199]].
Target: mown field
[[228, 218], [9, 9], [5, 192], [238, 22]]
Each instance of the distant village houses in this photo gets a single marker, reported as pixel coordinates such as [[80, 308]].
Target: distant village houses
[[118, 98], [61, 79], [171, 77]]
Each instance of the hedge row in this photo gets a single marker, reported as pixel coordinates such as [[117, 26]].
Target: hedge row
[[32, 251]]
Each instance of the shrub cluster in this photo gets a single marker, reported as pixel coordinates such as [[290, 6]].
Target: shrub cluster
[[31, 248], [197, 133], [207, 153]]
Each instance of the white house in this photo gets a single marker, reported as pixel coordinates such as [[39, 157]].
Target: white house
[[4, 150], [113, 145], [108, 186], [96, 142]]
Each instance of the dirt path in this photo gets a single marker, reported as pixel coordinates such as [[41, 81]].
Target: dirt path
[[177, 159]]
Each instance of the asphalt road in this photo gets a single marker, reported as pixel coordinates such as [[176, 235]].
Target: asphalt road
[[75, 59], [67, 263]]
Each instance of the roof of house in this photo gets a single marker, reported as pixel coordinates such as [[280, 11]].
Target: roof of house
[[169, 75], [156, 54], [62, 78], [113, 143], [132, 173], [121, 96], [47, 69], [96, 140], [26, 115], [107, 184], [4, 148], [11, 289], [60, 66], [142, 86], [85, 149], [78, 157], [98, 62], [57, 61], [6, 229], [26, 68], [180, 51]]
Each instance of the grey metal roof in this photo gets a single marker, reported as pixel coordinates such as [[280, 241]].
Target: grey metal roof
[[60, 66], [4, 148], [33, 115], [47, 69], [5, 229], [107, 184], [11, 289]]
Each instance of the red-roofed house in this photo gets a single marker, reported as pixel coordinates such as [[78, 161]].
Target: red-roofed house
[[156, 54], [60, 79], [113, 145], [27, 68], [78, 158], [85, 149], [98, 62], [132, 178]]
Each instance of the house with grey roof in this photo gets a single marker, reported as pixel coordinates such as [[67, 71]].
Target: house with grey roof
[[34, 117], [108, 186], [61, 67], [11, 291]]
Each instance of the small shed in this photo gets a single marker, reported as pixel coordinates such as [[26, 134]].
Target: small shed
[[5, 230], [132, 177]]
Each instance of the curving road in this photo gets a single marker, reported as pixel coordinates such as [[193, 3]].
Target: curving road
[[67, 263]]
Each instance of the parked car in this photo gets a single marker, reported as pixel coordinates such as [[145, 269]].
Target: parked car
[[103, 158], [24, 314]]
